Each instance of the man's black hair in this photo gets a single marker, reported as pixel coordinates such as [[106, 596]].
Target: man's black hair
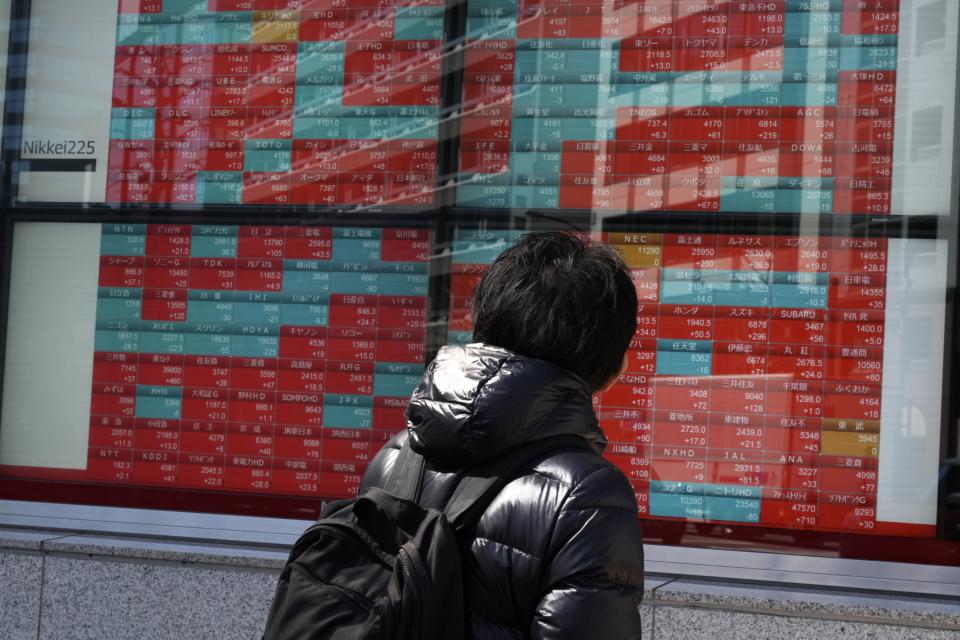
[[557, 298]]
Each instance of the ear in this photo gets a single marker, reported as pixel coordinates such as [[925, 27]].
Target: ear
[[613, 380]]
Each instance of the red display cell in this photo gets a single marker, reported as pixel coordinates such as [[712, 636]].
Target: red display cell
[[117, 368], [689, 251], [741, 324], [589, 196], [496, 56], [252, 406], [855, 364], [867, 88], [418, 156], [183, 61], [308, 243], [183, 93], [181, 123], [247, 473], [746, 396], [306, 376], [165, 305], [273, 58], [346, 445], [808, 124], [678, 468], [755, 124], [111, 437], [204, 437], [696, 124], [266, 188], [319, 25], [157, 439], [865, 124], [259, 275], [175, 187], [683, 394], [207, 472], [353, 311], [858, 255], [881, 18], [798, 327], [766, 20], [167, 273], [304, 346], [702, 53], [167, 240], [367, 188], [253, 373], [689, 193], [231, 92], [226, 151], [213, 273], [140, 6], [160, 369], [643, 123], [804, 254], [136, 155], [352, 345], [864, 160], [405, 245], [204, 405], [274, 89], [751, 158], [808, 159], [847, 517], [261, 242], [121, 271], [299, 443], [789, 512], [389, 414], [849, 480], [206, 371], [296, 481], [268, 123], [647, 53], [686, 322], [798, 359], [230, 59], [155, 473], [792, 439], [135, 92], [587, 157]]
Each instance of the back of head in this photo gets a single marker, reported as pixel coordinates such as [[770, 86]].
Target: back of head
[[557, 298]]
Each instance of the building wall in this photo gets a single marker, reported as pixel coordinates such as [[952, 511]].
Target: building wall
[[62, 585]]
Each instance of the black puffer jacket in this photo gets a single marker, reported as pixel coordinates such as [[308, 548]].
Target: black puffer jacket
[[558, 554]]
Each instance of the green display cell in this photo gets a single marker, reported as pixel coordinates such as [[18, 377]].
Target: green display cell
[[356, 283], [316, 128], [248, 346], [809, 95], [219, 192], [305, 315], [122, 245], [131, 128], [117, 341], [868, 58], [492, 27], [418, 28]]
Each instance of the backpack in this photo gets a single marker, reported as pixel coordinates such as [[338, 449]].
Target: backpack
[[380, 566]]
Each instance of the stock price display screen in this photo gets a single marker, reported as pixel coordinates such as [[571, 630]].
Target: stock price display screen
[[698, 105], [755, 388], [243, 358]]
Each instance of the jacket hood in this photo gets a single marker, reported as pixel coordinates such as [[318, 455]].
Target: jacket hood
[[478, 401]]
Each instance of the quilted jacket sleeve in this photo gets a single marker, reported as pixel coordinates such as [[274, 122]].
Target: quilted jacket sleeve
[[592, 579]]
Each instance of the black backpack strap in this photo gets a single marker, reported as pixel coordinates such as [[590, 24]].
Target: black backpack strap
[[407, 474], [481, 484]]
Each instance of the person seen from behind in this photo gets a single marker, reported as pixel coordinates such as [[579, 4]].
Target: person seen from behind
[[558, 554]]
